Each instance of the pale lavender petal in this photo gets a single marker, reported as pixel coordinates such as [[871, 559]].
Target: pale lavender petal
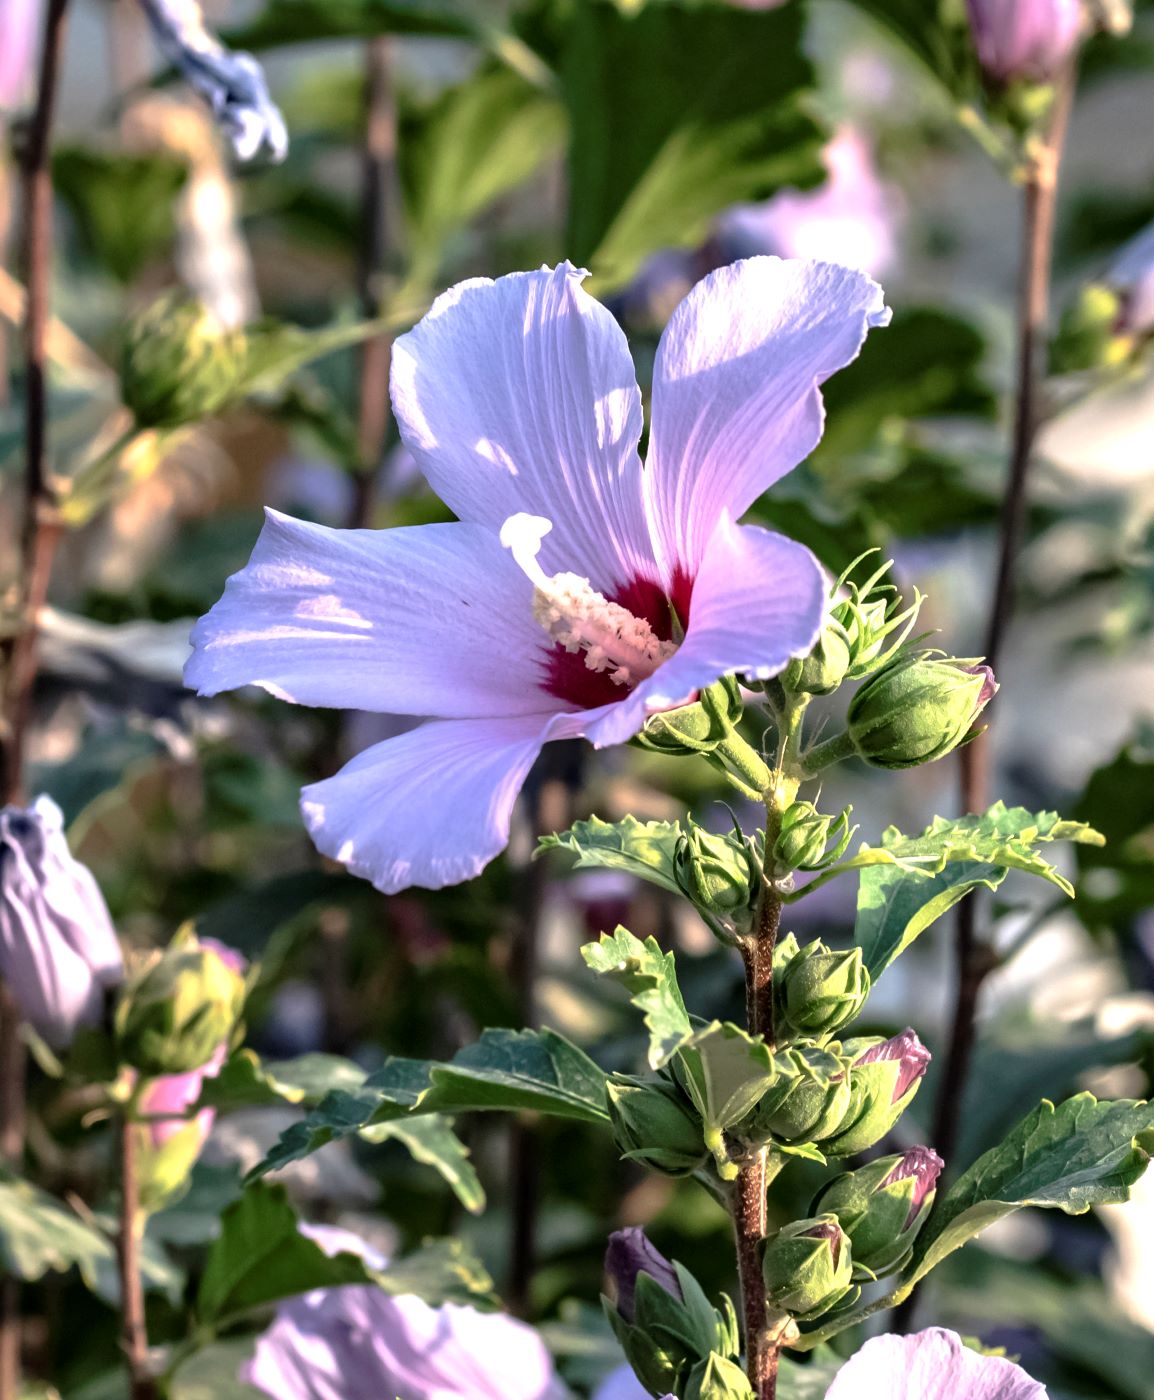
[[430, 620], [19, 42], [931, 1365], [736, 400], [58, 949], [1132, 274], [175, 1094], [758, 601], [519, 396], [430, 808], [621, 1384], [1028, 39]]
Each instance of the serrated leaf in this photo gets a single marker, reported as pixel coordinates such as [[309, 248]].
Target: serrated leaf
[[1071, 1158], [725, 1072], [261, 1256], [246, 1082], [40, 1235], [538, 1071], [644, 849], [677, 111], [910, 881], [650, 977], [1081, 1154], [431, 1140]]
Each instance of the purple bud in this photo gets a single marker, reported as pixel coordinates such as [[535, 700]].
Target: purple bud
[[629, 1254], [989, 689], [925, 1166], [826, 1230], [164, 1102], [906, 1048], [1024, 39], [58, 949]]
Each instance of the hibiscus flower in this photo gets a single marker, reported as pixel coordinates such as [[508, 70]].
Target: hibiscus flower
[[578, 592]]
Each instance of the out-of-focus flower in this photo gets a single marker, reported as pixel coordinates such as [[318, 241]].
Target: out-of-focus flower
[[19, 42], [1132, 275], [360, 1343], [58, 950], [1024, 39], [930, 1365], [852, 219], [622, 1384], [518, 398], [233, 84]]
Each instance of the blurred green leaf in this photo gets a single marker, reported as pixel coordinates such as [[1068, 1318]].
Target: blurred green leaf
[[248, 919], [923, 31], [910, 881], [1117, 881], [475, 143], [123, 205], [261, 1256], [644, 849], [650, 976], [432, 1141], [677, 111], [214, 1373]]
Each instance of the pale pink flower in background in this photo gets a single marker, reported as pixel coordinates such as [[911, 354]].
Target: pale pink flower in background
[[852, 219], [1024, 39], [579, 592], [930, 1365]]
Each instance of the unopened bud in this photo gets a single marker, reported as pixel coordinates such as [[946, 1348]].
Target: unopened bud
[[807, 1099], [655, 1124], [179, 364], [629, 1255], [720, 874], [917, 709], [883, 1079], [808, 1267], [882, 1206], [824, 669], [181, 1007], [809, 840], [820, 991], [1024, 40], [696, 728]]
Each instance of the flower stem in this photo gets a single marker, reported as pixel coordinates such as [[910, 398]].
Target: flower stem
[[40, 533], [835, 750], [749, 1195], [134, 1337], [975, 959]]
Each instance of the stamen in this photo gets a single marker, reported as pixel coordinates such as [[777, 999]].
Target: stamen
[[571, 610]]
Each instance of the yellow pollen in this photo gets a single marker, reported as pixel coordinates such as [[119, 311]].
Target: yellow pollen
[[571, 610]]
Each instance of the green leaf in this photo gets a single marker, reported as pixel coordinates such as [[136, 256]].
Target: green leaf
[[1117, 882], [40, 1235], [725, 1072], [920, 29], [432, 1141], [644, 849], [650, 977], [122, 204], [910, 881], [475, 143], [538, 1071], [678, 110], [274, 350], [1070, 1158], [261, 1256], [246, 1082]]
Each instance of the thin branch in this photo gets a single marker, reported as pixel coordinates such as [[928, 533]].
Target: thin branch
[[134, 1336]]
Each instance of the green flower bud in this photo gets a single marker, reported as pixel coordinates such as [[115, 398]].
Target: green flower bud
[[696, 728], [820, 991], [882, 1207], [661, 1316], [871, 619], [720, 874], [808, 1268], [805, 837], [806, 1102], [824, 669], [180, 1007], [1088, 334], [179, 364], [655, 1124], [883, 1078], [716, 1378], [918, 708]]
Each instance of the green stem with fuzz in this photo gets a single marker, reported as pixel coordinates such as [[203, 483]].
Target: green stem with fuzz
[[134, 1336]]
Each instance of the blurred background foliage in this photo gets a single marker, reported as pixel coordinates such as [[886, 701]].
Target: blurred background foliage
[[622, 136]]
